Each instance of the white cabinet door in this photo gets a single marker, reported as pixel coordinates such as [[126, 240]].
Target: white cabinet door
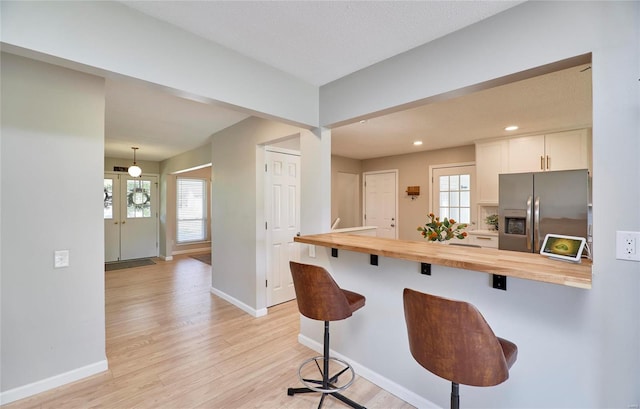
[[567, 150], [491, 160], [555, 151], [483, 240], [526, 154]]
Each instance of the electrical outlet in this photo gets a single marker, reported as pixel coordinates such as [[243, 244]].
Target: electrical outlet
[[627, 245], [312, 251]]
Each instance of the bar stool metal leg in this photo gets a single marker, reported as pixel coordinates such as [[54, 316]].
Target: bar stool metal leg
[[455, 396], [328, 381]]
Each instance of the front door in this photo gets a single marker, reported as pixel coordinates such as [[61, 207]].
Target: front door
[[380, 197], [283, 223], [131, 217]]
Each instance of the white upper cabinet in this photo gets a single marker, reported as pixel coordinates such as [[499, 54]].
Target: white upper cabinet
[[526, 154], [554, 151], [491, 160], [537, 153], [568, 150]]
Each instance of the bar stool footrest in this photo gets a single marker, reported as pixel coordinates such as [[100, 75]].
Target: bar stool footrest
[[312, 384]]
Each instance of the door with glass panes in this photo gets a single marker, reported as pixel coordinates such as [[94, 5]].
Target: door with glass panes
[[452, 193], [130, 217]]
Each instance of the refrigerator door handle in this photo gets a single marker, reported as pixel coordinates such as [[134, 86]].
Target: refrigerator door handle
[[527, 227], [536, 222]]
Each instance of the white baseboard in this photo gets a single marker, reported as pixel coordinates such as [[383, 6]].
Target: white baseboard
[[166, 258], [43, 385], [244, 307], [374, 377]]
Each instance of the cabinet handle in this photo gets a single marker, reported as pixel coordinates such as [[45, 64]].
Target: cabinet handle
[[541, 162], [548, 162], [483, 238]]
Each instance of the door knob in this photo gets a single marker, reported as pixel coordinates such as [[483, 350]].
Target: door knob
[[115, 222], [124, 221]]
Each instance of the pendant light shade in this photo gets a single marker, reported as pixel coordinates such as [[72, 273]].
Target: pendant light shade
[[134, 170]]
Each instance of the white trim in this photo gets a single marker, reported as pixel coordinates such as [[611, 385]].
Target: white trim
[[166, 258], [52, 382], [190, 251], [364, 196], [244, 307], [177, 172], [374, 377], [269, 148]]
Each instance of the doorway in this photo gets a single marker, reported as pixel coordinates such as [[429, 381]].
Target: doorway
[[453, 192], [130, 217], [381, 202], [283, 221]]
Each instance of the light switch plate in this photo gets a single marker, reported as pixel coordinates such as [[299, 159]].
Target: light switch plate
[[61, 258]]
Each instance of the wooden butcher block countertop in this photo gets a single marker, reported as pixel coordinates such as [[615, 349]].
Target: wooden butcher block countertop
[[507, 263]]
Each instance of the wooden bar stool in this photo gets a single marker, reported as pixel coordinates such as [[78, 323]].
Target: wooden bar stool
[[452, 340], [320, 298]]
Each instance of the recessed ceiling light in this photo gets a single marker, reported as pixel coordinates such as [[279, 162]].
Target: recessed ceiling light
[[417, 143], [363, 121], [511, 128]]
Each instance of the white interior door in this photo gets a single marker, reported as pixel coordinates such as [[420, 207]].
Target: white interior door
[[283, 223], [131, 217], [380, 197], [452, 193]]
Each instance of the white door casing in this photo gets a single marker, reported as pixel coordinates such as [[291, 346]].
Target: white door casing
[[381, 202], [132, 231], [283, 222]]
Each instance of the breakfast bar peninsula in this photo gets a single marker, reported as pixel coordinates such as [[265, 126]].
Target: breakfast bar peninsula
[[544, 310]]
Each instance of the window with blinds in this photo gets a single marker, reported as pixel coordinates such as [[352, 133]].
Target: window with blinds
[[191, 210]]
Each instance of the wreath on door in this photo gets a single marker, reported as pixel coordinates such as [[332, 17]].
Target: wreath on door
[[138, 198]]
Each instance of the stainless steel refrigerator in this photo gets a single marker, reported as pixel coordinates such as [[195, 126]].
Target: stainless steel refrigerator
[[531, 205]]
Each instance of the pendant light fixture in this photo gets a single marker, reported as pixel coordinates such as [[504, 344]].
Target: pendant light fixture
[[134, 170]]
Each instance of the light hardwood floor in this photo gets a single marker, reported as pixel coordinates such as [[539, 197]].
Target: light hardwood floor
[[172, 344]]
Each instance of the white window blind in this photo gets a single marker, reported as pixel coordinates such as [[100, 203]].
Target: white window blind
[[191, 210]]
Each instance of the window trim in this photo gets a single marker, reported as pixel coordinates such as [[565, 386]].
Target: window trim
[[204, 214]]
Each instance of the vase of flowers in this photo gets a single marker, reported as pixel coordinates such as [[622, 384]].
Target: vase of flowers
[[442, 230]]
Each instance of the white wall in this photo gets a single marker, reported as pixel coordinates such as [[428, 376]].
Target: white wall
[[578, 348], [199, 156], [52, 321], [98, 35], [148, 167], [238, 245]]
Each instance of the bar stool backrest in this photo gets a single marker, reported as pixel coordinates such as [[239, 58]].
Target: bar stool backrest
[[452, 340], [318, 295]]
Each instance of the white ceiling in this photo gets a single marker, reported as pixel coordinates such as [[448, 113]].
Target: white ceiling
[[320, 41], [556, 101]]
